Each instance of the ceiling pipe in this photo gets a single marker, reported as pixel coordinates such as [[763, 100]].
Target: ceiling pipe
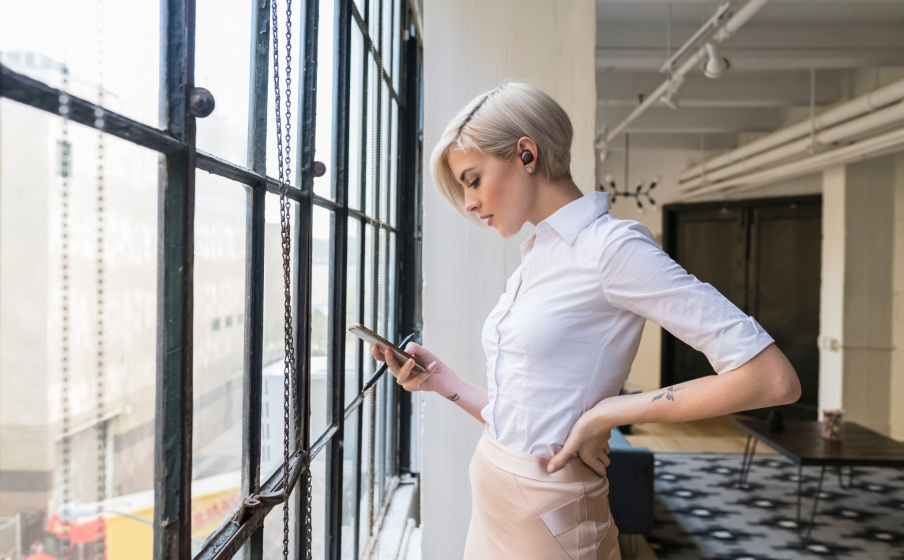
[[864, 104], [849, 129], [731, 26], [867, 149]]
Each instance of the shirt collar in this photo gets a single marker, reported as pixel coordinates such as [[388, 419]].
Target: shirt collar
[[571, 219]]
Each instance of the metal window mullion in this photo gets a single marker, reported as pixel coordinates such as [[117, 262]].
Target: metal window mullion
[[306, 99], [339, 256], [173, 425], [360, 365], [34, 93], [254, 267], [406, 242]]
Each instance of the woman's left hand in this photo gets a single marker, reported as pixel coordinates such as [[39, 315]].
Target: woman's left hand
[[590, 438]]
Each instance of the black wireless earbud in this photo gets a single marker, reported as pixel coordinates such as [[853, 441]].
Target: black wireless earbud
[[527, 157]]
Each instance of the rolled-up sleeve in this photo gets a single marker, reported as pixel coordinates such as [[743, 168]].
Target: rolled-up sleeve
[[640, 277]]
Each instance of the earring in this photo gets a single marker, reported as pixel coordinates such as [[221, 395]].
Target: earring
[[530, 169]]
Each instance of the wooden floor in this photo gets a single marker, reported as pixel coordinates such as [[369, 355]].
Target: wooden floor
[[712, 435]]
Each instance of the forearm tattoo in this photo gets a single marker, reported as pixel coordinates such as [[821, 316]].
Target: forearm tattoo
[[453, 398], [670, 394]]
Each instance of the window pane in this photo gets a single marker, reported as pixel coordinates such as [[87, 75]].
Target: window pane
[[386, 43], [360, 5], [290, 164], [385, 163], [31, 324], [355, 114], [323, 129], [393, 162], [373, 23], [272, 398], [368, 508], [274, 527], [223, 65], [369, 316], [318, 505], [391, 274], [350, 461], [127, 64], [218, 350], [370, 107], [320, 313], [353, 344], [396, 34]]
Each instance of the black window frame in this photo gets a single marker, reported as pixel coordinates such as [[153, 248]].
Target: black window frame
[[175, 142]]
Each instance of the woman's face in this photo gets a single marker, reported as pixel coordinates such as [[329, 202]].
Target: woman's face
[[499, 192]]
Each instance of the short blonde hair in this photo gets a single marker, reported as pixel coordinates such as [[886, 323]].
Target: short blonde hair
[[493, 122]]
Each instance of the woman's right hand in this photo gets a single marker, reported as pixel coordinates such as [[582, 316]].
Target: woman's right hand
[[437, 377]]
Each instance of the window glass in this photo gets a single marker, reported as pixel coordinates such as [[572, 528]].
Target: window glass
[[99, 41], [223, 35], [368, 508], [393, 186], [353, 344], [218, 350], [370, 131], [291, 164], [272, 398], [320, 313], [385, 163], [396, 34], [350, 462], [32, 169], [323, 130], [318, 505], [355, 115], [274, 530]]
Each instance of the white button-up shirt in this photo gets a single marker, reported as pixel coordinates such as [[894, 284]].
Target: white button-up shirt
[[565, 332]]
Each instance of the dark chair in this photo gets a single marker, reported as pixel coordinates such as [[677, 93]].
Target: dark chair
[[630, 473]]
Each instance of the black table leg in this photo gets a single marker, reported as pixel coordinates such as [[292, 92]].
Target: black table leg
[[809, 529], [850, 483], [745, 471], [744, 462]]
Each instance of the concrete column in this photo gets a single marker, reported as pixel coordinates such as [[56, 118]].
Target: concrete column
[[856, 295], [896, 393], [471, 47]]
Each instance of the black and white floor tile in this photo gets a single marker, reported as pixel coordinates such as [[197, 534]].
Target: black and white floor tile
[[701, 513]]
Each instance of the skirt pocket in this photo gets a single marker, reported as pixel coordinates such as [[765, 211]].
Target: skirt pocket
[[575, 513]]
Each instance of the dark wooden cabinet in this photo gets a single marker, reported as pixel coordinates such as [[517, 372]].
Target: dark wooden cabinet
[[764, 256]]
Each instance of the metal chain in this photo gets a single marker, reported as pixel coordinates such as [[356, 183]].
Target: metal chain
[[100, 427], [284, 163], [64, 289]]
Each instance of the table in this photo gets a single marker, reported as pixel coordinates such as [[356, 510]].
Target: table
[[802, 442]]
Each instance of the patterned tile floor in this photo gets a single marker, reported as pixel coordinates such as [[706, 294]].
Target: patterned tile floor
[[701, 513]]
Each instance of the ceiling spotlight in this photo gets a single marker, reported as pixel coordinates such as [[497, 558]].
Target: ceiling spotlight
[[716, 65]]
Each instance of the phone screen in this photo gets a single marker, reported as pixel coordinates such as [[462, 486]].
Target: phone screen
[[372, 338]]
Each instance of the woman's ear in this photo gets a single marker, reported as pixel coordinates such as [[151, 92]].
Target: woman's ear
[[528, 154]]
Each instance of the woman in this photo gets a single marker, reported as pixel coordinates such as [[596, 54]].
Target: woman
[[561, 339]]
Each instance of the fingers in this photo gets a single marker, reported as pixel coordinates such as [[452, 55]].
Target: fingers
[[405, 371], [598, 467], [558, 460], [375, 352]]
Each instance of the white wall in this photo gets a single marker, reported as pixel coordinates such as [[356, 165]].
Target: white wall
[[645, 163], [470, 47]]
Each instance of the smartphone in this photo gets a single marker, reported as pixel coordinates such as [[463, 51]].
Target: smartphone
[[372, 338]]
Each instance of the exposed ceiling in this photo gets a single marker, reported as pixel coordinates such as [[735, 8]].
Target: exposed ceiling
[[771, 58]]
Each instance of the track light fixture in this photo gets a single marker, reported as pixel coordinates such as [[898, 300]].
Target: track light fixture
[[716, 65]]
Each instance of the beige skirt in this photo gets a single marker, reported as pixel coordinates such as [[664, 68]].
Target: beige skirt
[[522, 512]]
